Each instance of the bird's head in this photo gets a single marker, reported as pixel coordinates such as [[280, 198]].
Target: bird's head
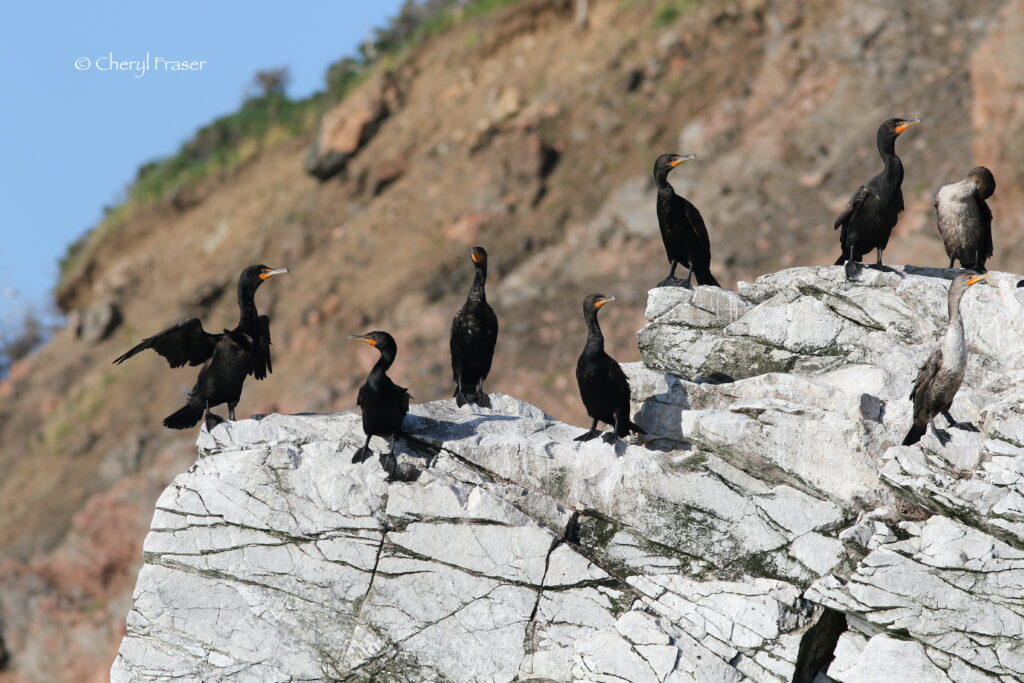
[[479, 256], [983, 180], [255, 275], [666, 162], [593, 303], [382, 341]]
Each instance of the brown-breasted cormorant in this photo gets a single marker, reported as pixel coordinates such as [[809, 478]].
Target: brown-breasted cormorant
[[940, 377], [965, 221], [682, 227], [869, 217], [603, 384], [226, 357], [474, 334], [384, 403]]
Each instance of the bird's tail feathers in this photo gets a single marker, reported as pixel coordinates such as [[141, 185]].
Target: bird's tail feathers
[[186, 417], [914, 435], [704, 277]]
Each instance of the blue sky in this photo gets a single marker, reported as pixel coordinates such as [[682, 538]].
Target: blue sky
[[72, 139]]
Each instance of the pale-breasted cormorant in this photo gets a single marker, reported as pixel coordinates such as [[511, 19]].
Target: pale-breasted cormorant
[[603, 384], [384, 403], [474, 334], [869, 217], [940, 377], [226, 357], [965, 221], [682, 227]]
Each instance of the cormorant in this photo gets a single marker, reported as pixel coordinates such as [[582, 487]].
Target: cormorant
[[940, 377], [226, 357], [474, 334], [873, 210], [682, 228], [965, 221], [603, 384], [384, 403]]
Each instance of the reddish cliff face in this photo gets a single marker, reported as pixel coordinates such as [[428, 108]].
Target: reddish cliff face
[[525, 133]]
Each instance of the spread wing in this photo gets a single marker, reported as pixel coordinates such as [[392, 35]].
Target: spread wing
[[260, 352], [927, 373], [985, 214], [853, 207], [183, 343]]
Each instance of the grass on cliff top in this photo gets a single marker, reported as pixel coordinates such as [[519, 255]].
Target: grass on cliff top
[[268, 119]]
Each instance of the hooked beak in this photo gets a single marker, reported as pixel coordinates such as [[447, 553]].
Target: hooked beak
[[903, 125], [680, 159], [362, 338], [271, 272], [601, 302], [975, 279]]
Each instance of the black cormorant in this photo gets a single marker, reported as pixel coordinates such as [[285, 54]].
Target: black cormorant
[[226, 357], [965, 221], [682, 228], [940, 377], [869, 217], [603, 384], [384, 403], [474, 334]]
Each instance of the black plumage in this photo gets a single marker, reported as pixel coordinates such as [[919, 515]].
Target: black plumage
[[227, 358], [872, 212], [383, 402], [474, 335], [964, 219], [603, 385], [682, 227]]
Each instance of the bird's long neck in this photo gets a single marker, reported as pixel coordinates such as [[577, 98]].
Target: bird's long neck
[[248, 316], [954, 349], [893, 165], [661, 180], [477, 291], [380, 368], [595, 339]]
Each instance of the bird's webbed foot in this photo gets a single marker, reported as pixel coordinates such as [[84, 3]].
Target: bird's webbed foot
[[212, 420], [942, 435], [672, 281], [853, 270], [362, 455], [590, 434], [389, 461], [460, 399], [609, 437], [483, 400], [965, 426]]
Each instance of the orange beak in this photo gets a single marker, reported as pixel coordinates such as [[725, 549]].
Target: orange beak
[[271, 272], [903, 125]]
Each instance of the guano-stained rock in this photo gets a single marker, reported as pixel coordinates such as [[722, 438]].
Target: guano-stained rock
[[765, 495]]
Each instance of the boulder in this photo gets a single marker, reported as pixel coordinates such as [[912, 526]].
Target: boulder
[[768, 527]]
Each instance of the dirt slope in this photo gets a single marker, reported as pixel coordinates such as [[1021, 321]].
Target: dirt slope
[[520, 131]]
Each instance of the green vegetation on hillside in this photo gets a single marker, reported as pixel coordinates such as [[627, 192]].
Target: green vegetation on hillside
[[271, 116]]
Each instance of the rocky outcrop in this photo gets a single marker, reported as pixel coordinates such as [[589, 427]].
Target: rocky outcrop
[[349, 125], [767, 529]]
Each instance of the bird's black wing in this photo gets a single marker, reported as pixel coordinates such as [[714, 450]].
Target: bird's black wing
[[619, 382], [853, 207], [360, 397], [492, 335], [183, 343], [927, 373], [458, 329], [695, 222], [985, 214], [260, 352]]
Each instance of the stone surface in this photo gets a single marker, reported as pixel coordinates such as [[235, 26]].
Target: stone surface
[[501, 549]]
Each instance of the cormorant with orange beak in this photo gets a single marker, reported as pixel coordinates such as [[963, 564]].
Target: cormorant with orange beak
[[872, 212], [226, 358], [384, 403], [682, 227]]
